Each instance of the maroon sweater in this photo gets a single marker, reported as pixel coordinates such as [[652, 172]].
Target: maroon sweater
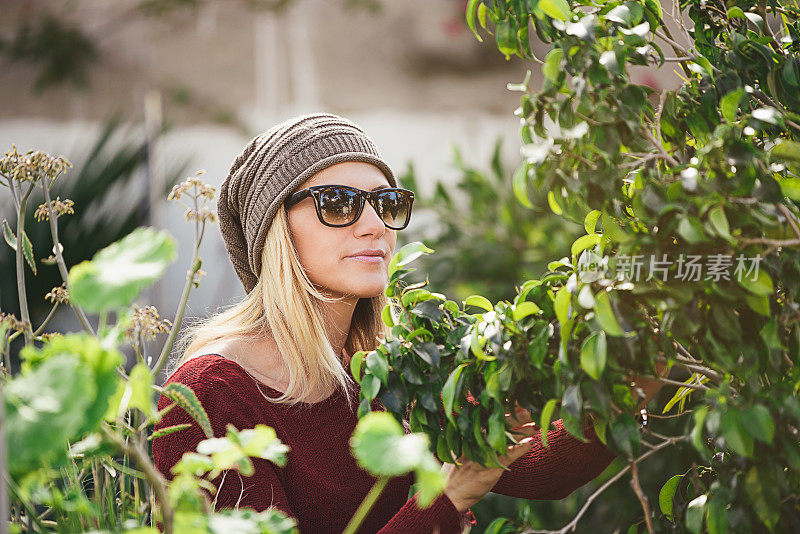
[[322, 485]]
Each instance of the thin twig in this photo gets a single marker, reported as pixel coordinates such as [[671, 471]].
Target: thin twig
[[637, 489], [62, 266], [46, 319], [678, 383], [664, 154], [574, 523], [790, 218]]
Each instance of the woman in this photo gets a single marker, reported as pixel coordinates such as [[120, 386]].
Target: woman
[[313, 261]]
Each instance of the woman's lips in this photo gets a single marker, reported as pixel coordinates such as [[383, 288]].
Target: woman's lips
[[367, 259]]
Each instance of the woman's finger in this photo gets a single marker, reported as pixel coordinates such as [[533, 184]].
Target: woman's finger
[[520, 416], [514, 452]]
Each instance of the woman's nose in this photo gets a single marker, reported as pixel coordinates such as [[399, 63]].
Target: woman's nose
[[370, 221]]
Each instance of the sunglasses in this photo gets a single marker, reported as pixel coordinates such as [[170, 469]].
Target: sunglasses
[[341, 205]]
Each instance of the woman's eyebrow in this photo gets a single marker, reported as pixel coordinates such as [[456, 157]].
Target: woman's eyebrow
[[380, 187]]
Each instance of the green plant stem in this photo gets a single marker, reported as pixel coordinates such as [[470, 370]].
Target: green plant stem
[[46, 320], [366, 505], [23, 297], [157, 482], [62, 266], [178, 319]]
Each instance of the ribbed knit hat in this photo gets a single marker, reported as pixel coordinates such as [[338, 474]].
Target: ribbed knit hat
[[271, 167]]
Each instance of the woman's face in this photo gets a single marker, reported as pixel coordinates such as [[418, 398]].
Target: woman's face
[[327, 253]]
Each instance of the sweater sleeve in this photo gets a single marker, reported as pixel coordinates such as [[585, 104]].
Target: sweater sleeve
[[259, 491], [555, 471], [411, 519]]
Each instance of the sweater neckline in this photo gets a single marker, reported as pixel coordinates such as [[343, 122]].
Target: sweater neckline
[[337, 393]]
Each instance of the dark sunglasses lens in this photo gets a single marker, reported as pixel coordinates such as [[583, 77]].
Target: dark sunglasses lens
[[338, 205], [394, 208]]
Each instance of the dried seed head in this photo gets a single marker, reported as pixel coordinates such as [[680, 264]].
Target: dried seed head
[[58, 294], [32, 165], [60, 207], [13, 323], [147, 323]]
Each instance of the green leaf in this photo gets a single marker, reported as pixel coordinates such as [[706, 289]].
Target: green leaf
[[736, 437], [590, 222], [786, 150], [9, 236], [764, 496], [496, 435], [547, 415], [561, 304], [761, 286], [501, 525], [694, 514], [593, 354], [479, 301], [716, 517], [667, 495], [605, 315], [520, 185], [370, 386], [186, 399], [552, 70], [735, 12], [691, 230], [584, 242], [355, 365], [168, 430], [524, 309], [720, 223], [386, 315], [452, 388], [140, 380], [557, 9], [407, 254], [119, 272], [381, 447], [27, 252], [729, 104], [758, 422], [377, 364], [472, 5]]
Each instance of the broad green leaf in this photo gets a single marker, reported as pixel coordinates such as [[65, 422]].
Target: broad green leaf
[[370, 386], [736, 437], [605, 315], [720, 222], [584, 242], [667, 495], [547, 415], [524, 309], [786, 150], [764, 496], [496, 435], [735, 12], [561, 304], [501, 525], [695, 512], [716, 517], [593, 354], [141, 382], [761, 286], [355, 365], [520, 185], [119, 272], [386, 315], [377, 364], [407, 254], [790, 187], [729, 104], [758, 422], [479, 301], [552, 70], [557, 9], [261, 442], [612, 230], [590, 222], [381, 447], [452, 388]]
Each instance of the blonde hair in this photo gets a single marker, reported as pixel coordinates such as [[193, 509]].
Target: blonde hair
[[285, 303]]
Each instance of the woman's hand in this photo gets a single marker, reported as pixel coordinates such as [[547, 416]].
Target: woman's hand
[[467, 484]]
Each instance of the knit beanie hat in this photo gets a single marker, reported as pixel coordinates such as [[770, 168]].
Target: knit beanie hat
[[271, 167]]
